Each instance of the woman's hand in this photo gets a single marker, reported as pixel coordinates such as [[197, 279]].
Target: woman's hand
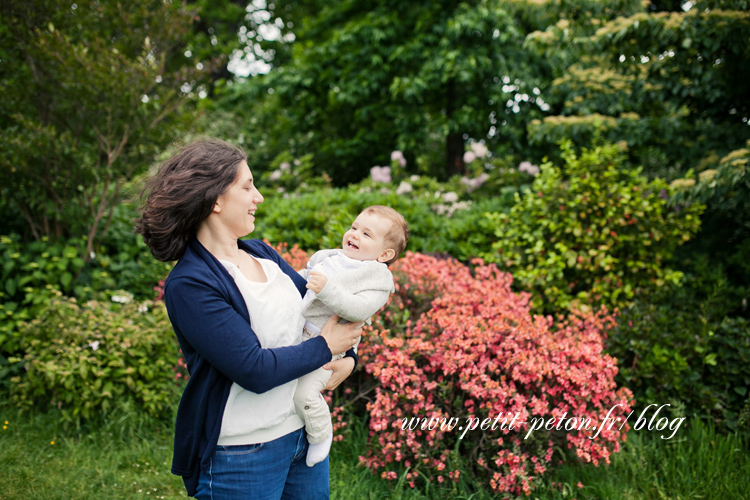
[[340, 338], [342, 368]]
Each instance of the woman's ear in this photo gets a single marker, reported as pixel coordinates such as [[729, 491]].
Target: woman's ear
[[387, 255]]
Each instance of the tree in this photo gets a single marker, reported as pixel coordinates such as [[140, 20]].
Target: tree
[[91, 92], [364, 78], [671, 84]]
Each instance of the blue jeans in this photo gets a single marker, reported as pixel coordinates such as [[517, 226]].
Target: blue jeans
[[268, 471]]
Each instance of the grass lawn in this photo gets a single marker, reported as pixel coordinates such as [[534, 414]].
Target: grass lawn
[[127, 457]]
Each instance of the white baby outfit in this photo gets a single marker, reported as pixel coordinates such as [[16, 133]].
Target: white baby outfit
[[355, 291]]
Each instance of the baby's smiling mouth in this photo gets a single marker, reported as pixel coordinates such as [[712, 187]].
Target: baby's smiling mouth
[[349, 243]]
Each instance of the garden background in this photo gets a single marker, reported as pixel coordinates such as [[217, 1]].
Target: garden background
[[574, 172]]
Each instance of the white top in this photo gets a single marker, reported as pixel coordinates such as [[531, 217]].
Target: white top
[[275, 309], [330, 266]]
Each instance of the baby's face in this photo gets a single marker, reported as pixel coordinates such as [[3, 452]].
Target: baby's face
[[365, 240]]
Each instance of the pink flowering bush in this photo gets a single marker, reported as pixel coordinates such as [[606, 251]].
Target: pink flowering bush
[[457, 343]]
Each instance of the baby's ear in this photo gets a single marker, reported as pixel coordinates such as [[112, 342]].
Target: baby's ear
[[387, 255]]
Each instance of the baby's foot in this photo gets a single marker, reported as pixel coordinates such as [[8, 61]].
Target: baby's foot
[[319, 451]]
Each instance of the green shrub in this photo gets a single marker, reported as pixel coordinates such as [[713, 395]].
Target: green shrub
[[82, 357], [724, 239], [678, 345], [125, 258], [594, 232], [440, 218], [31, 273], [33, 270]]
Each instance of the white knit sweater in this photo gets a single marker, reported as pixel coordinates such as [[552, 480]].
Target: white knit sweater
[[356, 292]]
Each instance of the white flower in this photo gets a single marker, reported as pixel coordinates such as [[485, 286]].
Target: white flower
[[414, 178], [122, 299], [479, 149], [469, 157], [527, 167], [94, 345], [143, 308], [275, 175], [404, 188], [92, 255], [284, 166], [399, 157], [450, 197], [440, 209]]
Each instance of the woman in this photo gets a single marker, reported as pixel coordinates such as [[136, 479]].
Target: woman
[[235, 307]]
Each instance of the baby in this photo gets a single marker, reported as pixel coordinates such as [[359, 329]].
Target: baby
[[353, 282]]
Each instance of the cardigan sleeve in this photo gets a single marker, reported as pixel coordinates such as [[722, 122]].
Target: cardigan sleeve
[[218, 334]]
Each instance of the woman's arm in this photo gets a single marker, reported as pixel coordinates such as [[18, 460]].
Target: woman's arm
[[209, 327]]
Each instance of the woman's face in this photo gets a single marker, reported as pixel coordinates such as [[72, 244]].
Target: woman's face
[[235, 208]]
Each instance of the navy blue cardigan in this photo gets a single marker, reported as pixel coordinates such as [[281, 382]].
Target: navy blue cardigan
[[212, 324]]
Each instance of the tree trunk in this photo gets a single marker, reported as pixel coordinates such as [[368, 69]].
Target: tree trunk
[[454, 144], [455, 154]]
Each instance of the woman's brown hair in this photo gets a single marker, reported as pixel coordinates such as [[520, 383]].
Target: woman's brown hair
[[183, 193]]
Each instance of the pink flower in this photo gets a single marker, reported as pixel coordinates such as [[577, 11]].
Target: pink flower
[[381, 174], [399, 157]]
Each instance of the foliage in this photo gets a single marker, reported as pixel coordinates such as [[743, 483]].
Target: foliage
[[33, 271], [31, 274], [288, 174], [455, 343], [361, 77], [724, 187], [441, 216], [670, 83], [82, 358], [124, 258], [679, 344], [92, 91], [591, 233]]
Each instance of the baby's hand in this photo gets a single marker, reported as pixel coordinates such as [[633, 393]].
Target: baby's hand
[[316, 281]]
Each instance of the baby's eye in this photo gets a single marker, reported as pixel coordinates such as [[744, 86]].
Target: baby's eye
[[367, 234]]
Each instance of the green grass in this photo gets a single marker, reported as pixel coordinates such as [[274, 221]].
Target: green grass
[[127, 456]]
